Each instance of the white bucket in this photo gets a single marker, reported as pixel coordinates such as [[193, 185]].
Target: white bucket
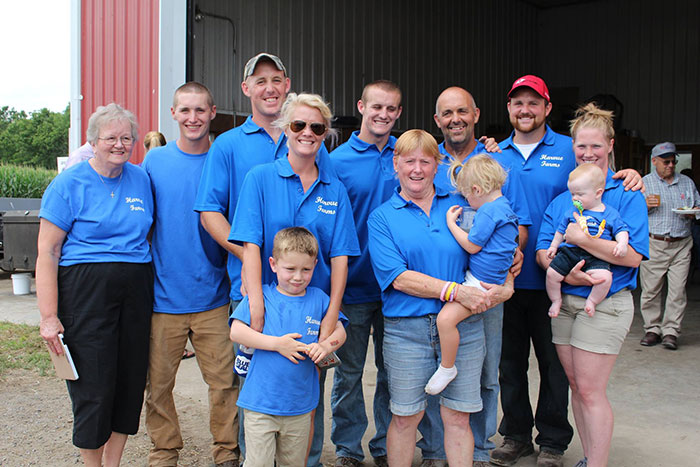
[[21, 283]]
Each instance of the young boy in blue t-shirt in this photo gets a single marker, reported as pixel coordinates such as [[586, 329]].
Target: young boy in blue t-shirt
[[491, 241], [282, 386]]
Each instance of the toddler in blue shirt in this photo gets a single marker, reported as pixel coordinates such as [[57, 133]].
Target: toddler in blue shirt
[[586, 185], [491, 241], [282, 386]]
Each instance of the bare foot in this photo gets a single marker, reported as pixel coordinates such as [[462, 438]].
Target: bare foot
[[590, 308], [554, 309]]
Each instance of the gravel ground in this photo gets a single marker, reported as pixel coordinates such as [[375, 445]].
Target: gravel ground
[[36, 426]]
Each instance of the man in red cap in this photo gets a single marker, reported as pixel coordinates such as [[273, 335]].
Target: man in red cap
[[544, 159]]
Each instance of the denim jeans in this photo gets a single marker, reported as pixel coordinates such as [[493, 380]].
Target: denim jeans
[[484, 423], [347, 399], [525, 318]]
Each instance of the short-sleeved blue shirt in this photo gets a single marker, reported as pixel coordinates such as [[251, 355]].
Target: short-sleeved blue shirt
[[512, 188], [274, 384], [613, 222], [230, 159], [369, 178], [272, 198], [632, 207], [495, 230], [101, 229], [190, 267], [544, 175], [402, 238]]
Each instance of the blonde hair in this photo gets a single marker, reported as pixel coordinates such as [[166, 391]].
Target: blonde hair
[[590, 171], [294, 239], [153, 139], [309, 100], [592, 116], [481, 170], [417, 139]]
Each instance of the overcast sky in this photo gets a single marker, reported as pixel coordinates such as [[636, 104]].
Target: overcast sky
[[35, 54]]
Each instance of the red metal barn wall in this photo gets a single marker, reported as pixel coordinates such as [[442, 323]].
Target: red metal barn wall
[[119, 61]]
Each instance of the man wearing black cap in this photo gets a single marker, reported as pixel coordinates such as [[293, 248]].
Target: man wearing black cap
[[668, 195], [544, 159]]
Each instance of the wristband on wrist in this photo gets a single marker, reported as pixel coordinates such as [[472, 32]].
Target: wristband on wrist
[[453, 297], [444, 289], [450, 288]]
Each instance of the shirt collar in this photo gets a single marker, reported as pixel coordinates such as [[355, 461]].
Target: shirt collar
[[284, 169], [548, 138], [360, 146], [478, 149], [397, 201], [658, 177]]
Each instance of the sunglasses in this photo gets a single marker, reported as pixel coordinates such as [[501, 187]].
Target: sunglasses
[[669, 161], [297, 125]]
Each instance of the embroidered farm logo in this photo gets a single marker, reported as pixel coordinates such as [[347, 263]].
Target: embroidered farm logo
[[135, 204], [312, 330], [551, 161], [326, 207]]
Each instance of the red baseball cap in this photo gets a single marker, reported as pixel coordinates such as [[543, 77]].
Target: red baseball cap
[[533, 82]]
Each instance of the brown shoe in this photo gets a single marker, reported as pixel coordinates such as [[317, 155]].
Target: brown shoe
[[670, 342], [347, 462], [550, 459], [481, 464], [650, 339], [510, 451]]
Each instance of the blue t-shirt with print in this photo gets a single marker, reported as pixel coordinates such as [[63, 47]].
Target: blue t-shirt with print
[[274, 384], [101, 228]]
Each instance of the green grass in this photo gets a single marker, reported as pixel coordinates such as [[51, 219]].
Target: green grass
[[17, 181], [21, 346]]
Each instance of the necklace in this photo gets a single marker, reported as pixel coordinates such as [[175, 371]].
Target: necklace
[[118, 183]]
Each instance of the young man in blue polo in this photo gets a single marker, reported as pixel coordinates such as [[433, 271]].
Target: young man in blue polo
[[191, 289], [544, 159], [233, 154]]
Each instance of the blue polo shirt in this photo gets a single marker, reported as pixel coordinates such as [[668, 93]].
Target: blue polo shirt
[[495, 230], [512, 188], [545, 174], [100, 228], [190, 267], [369, 178], [632, 207], [402, 238], [272, 198], [230, 159]]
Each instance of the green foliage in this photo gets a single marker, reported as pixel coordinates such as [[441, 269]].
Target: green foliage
[[21, 346], [24, 182], [36, 139]]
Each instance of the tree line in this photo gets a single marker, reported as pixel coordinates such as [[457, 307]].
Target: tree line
[[33, 139]]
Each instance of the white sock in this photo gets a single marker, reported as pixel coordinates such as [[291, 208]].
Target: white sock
[[440, 379]]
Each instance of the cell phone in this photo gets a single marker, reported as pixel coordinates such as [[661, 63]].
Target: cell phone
[[329, 361]]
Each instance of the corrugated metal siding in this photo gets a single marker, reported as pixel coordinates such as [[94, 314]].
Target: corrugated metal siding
[[117, 68], [335, 47], [647, 56]]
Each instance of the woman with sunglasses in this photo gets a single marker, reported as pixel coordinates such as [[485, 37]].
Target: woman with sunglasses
[[296, 191], [95, 283]]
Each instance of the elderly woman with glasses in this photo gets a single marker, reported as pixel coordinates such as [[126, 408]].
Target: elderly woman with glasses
[[296, 190], [95, 284]]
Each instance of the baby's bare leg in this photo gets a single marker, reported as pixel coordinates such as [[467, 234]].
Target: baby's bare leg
[[598, 291], [448, 318], [553, 285]]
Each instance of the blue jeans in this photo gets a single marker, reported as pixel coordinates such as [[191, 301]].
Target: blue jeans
[[412, 354], [484, 423], [347, 399]]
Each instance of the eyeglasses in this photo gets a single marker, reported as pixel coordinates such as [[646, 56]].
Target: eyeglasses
[[112, 140], [297, 125], [669, 161]]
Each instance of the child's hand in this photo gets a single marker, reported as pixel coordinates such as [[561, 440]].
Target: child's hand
[[318, 351], [551, 252], [453, 214], [620, 250], [288, 346]]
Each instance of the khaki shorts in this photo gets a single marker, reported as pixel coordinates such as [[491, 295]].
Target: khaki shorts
[[603, 333], [270, 438]]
